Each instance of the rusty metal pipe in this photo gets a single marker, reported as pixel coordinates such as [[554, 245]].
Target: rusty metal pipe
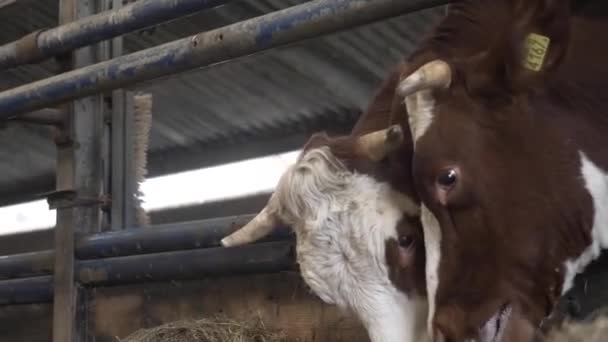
[[141, 14], [297, 23]]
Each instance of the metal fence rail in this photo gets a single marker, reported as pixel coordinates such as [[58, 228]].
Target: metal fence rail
[[43, 44], [279, 28], [166, 237], [26, 290], [266, 257], [131, 242]]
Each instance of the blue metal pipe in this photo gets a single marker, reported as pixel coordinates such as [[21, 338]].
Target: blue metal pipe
[[166, 237], [267, 257], [27, 264], [44, 44], [191, 264], [26, 290], [130, 242], [279, 28]]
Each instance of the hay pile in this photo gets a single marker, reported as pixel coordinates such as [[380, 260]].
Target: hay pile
[[218, 329]]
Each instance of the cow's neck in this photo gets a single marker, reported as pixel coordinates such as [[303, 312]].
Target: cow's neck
[[578, 133], [596, 183]]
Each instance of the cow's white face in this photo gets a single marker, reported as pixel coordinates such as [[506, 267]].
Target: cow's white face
[[343, 220], [359, 241]]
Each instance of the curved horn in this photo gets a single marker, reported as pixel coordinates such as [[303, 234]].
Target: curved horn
[[377, 145], [434, 74], [261, 225]]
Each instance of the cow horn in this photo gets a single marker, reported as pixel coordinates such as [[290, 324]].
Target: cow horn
[[261, 225], [378, 144], [434, 74]]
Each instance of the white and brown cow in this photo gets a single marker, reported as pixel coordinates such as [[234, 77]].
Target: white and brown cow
[[359, 240], [510, 160]]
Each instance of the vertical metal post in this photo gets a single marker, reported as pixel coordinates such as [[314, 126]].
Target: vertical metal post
[[121, 147], [79, 186], [123, 182]]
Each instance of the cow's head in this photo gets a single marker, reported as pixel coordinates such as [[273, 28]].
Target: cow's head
[[359, 239], [496, 170]]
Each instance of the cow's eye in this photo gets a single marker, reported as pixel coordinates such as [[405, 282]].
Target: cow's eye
[[406, 241], [447, 178]]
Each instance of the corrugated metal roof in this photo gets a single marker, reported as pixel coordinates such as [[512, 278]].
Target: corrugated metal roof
[[317, 84]]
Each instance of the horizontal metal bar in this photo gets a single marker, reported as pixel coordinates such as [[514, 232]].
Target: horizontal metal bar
[[191, 264], [138, 15], [279, 28], [136, 241], [27, 264], [267, 257], [26, 290], [44, 116], [166, 237]]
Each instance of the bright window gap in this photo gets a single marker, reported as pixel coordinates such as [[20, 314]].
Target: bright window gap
[[222, 182]]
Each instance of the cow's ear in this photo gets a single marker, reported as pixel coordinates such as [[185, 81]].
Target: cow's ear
[[526, 51], [541, 35]]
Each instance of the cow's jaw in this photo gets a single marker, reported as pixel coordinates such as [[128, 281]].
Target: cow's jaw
[[393, 316], [388, 314]]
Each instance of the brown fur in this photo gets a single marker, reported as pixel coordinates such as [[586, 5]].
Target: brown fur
[[519, 209]]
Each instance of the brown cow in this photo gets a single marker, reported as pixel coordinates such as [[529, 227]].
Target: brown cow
[[473, 109], [509, 160], [359, 239]]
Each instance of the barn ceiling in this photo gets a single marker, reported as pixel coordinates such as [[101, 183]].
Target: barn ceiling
[[253, 106]]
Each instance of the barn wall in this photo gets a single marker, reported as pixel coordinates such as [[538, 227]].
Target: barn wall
[[281, 300]]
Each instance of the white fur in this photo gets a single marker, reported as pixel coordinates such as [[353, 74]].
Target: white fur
[[596, 183], [432, 243], [420, 107], [342, 221]]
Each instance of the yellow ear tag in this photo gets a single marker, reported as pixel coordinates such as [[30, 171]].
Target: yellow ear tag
[[535, 50]]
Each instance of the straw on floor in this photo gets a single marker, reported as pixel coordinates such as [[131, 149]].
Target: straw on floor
[[218, 329]]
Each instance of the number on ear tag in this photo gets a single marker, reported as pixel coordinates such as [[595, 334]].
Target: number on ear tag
[[535, 50]]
